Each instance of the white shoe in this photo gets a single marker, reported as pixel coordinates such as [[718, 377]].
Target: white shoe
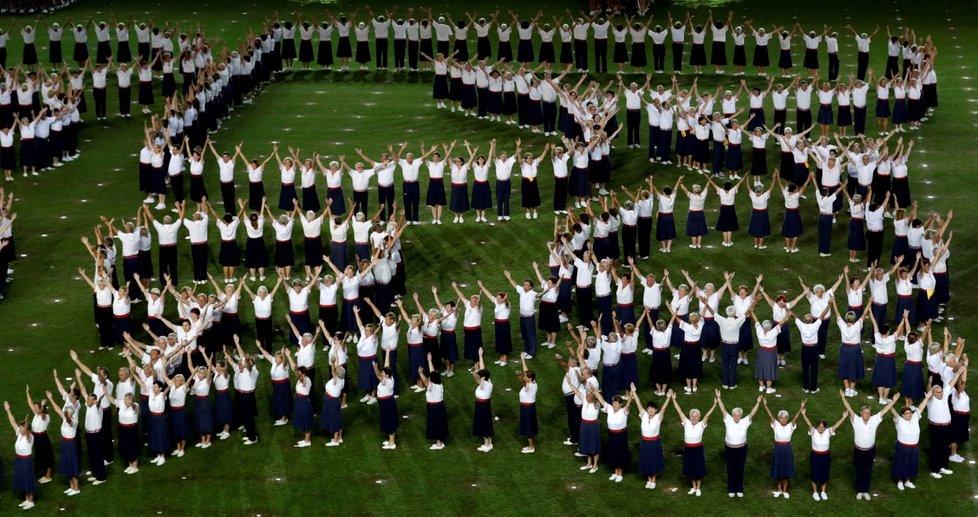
[[900, 485], [592, 470], [947, 471], [824, 496], [770, 391], [619, 479], [365, 398], [787, 495], [815, 496], [372, 401], [935, 475], [698, 492], [908, 484], [586, 467], [437, 447], [956, 458], [246, 442], [777, 494], [72, 492], [303, 443], [691, 491], [100, 481], [613, 477], [28, 505], [160, 206]]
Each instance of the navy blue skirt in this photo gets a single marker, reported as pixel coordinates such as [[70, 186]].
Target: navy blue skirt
[[159, 436], [449, 346], [913, 381], [68, 462], [130, 442], [256, 256], [825, 114], [845, 116], [579, 184], [504, 339], [204, 415], [784, 340], [819, 467], [851, 363], [695, 224], [337, 204], [665, 229], [650, 459], [302, 415], [310, 199], [481, 195], [792, 225], [884, 371], [472, 341], [24, 482], [284, 255], [389, 419], [437, 424], [439, 90], [436, 192], [757, 121], [691, 361], [285, 197], [882, 108], [229, 255], [366, 379], [313, 251], [694, 462], [857, 237], [590, 440], [282, 398], [735, 157], [760, 224], [618, 455], [179, 424], [782, 462], [482, 419], [784, 59], [224, 408], [330, 417], [906, 459], [528, 420], [727, 219], [416, 359]]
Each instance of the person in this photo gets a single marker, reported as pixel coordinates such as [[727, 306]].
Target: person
[[783, 459], [589, 444], [767, 362], [735, 440], [389, 417], [43, 452], [864, 426], [93, 433], [960, 416], [906, 451], [694, 457], [101, 386], [851, 369], [729, 341], [939, 422], [129, 437], [884, 369], [437, 420], [651, 462], [617, 455], [24, 482], [482, 420], [68, 465], [528, 405], [820, 458]]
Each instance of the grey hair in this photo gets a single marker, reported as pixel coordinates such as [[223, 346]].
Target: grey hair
[[766, 325], [341, 372], [694, 412], [782, 414], [731, 311], [737, 411]]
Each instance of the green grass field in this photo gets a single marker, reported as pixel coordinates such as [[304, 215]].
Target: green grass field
[[48, 309]]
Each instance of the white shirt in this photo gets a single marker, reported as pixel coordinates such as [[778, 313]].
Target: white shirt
[[864, 433], [736, 432]]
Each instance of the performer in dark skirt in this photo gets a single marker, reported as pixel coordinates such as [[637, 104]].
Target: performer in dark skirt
[[960, 419], [820, 459], [324, 54], [129, 439], [436, 427], [694, 457], [651, 461], [547, 54], [783, 457], [69, 448], [24, 482], [589, 442], [617, 454], [389, 417], [330, 417], [906, 450], [528, 406], [482, 420], [302, 419]]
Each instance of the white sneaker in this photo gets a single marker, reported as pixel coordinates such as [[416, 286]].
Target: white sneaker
[[160, 206], [28, 505], [824, 496], [303, 443], [372, 401], [947, 471], [691, 491], [815, 496], [935, 475], [909, 484], [777, 494], [900, 485], [246, 442], [787, 495], [956, 458], [437, 447], [365, 398], [586, 467]]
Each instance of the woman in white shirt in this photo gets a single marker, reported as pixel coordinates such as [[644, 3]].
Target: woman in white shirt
[[783, 458], [68, 465], [820, 460], [617, 455], [906, 450], [436, 427], [528, 406], [24, 482], [482, 419], [389, 417], [651, 461], [694, 457], [851, 369], [665, 230]]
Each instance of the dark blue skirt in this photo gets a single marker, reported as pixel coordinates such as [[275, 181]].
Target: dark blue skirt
[[416, 359], [24, 482], [882, 108], [481, 195], [695, 224], [784, 340], [757, 121], [792, 225], [439, 89], [745, 338], [824, 115], [437, 424], [851, 363], [285, 197], [650, 459], [884, 372], [389, 419], [528, 420], [857, 237], [313, 251], [68, 462], [282, 398], [337, 204], [711, 333], [504, 339], [310, 199], [760, 224], [229, 255], [203, 415], [784, 59], [436, 192], [727, 219], [913, 381], [256, 256], [820, 465], [579, 184], [845, 116], [472, 341], [159, 436], [905, 461], [694, 462], [302, 415], [665, 229], [449, 346], [224, 413], [179, 424], [590, 440], [130, 442], [330, 417], [284, 256], [482, 419], [735, 157], [782, 462], [618, 455], [366, 379]]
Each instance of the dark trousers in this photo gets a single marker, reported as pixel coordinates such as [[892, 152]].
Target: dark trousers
[[677, 57], [736, 462], [560, 194], [653, 141], [399, 46], [862, 63], [833, 66], [503, 192], [125, 100], [859, 120], [633, 121], [130, 266], [412, 198], [823, 336], [95, 459], [628, 234], [245, 412], [168, 263], [580, 59], [573, 418], [198, 253], [528, 331], [227, 198], [100, 108], [414, 48], [176, 185], [385, 196], [644, 236], [380, 45], [549, 117], [874, 245], [659, 57], [940, 446], [803, 118], [728, 360], [585, 307], [600, 55], [825, 233], [809, 367], [360, 201], [864, 468]]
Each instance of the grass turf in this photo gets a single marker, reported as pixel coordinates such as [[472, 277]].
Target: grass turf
[[48, 310]]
